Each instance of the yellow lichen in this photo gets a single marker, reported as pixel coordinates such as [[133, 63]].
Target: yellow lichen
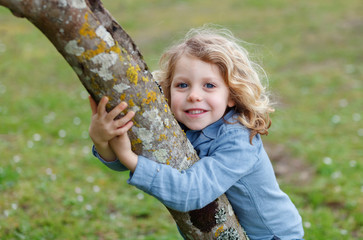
[[219, 231], [136, 141], [131, 103], [162, 137], [86, 29], [123, 96], [150, 97], [89, 32], [132, 74], [145, 79]]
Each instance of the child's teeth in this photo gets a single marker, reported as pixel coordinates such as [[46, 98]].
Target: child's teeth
[[195, 111]]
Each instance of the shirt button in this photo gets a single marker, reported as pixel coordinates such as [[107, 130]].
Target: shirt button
[[158, 169]]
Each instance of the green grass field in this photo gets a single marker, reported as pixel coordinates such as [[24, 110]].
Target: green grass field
[[51, 187]]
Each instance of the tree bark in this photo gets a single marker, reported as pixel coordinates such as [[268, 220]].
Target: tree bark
[[108, 63]]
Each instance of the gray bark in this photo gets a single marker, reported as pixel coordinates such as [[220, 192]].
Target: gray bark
[[108, 63]]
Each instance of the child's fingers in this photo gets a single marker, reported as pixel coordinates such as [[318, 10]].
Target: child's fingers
[[116, 111], [101, 108], [93, 105], [125, 119], [124, 128]]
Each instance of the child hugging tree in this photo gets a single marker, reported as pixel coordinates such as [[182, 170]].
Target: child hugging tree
[[215, 93]]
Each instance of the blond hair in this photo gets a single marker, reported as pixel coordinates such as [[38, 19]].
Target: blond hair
[[220, 47]]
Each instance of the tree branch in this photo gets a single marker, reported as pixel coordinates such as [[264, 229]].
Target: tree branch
[[108, 62]]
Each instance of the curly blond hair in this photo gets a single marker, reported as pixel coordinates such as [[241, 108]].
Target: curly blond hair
[[220, 47]]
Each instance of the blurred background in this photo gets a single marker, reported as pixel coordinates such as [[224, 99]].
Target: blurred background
[[51, 187]]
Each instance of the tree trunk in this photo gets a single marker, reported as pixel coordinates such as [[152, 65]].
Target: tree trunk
[[108, 63]]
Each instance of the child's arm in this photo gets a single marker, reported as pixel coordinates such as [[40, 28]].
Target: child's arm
[[103, 127], [121, 146]]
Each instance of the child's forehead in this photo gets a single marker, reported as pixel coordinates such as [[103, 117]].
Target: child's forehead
[[191, 67], [187, 58]]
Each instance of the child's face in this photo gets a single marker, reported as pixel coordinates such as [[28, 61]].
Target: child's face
[[199, 95]]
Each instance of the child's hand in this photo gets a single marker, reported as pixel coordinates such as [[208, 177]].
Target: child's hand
[[103, 126]]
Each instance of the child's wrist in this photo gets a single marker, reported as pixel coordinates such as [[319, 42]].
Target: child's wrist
[[101, 147], [105, 152], [129, 159]]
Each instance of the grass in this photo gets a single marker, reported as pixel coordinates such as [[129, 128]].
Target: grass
[[52, 188]]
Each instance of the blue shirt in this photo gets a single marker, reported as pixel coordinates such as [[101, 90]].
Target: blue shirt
[[228, 164]]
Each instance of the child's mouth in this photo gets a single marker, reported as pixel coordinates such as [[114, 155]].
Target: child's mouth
[[195, 111]]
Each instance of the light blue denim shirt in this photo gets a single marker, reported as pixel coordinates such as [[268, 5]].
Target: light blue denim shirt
[[228, 164]]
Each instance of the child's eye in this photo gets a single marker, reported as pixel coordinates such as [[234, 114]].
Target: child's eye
[[182, 85], [209, 85]]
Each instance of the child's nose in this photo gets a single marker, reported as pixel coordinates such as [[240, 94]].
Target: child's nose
[[195, 96]]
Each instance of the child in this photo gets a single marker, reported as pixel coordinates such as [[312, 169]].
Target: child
[[216, 95]]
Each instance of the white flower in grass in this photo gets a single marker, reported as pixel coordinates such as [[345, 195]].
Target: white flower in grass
[[30, 144], [76, 121], [37, 137], [140, 196], [50, 117], [343, 103], [48, 171], [6, 213], [360, 132], [327, 160], [84, 94], [78, 190], [80, 198], [336, 119], [62, 133], [86, 150], [353, 163], [88, 207], [96, 188], [90, 179], [356, 117], [307, 224], [85, 135], [14, 206], [16, 158], [336, 174], [53, 177]]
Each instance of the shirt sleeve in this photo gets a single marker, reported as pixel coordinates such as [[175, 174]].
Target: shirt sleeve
[[114, 165], [231, 157]]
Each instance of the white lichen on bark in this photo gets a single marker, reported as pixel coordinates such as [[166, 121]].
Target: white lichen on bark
[[105, 61], [121, 87], [78, 4], [73, 48], [105, 36]]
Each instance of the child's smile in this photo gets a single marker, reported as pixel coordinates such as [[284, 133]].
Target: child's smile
[[199, 95]]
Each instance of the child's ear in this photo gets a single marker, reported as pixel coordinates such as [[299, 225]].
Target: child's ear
[[231, 102]]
